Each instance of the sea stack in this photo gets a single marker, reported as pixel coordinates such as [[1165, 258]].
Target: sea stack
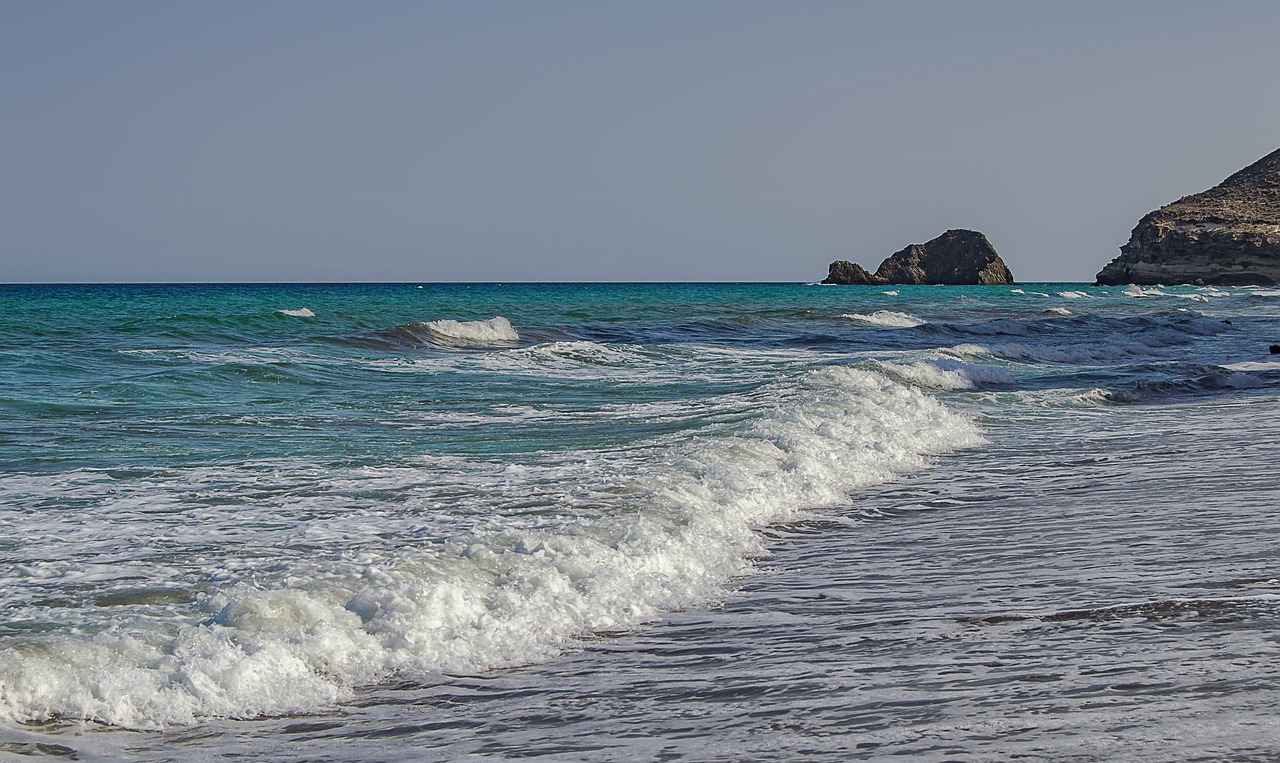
[[958, 257], [1227, 235]]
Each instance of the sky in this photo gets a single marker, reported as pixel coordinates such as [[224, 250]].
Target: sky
[[608, 141]]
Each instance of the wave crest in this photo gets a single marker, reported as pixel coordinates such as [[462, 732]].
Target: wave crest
[[496, 330], [948, 374], [887, 318]]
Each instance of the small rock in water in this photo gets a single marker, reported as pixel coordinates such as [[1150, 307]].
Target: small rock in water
[[962, 257], [1275, 349]]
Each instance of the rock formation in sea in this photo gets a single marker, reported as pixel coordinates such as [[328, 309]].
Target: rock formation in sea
[[1227, 235], [845, 272], [955, 257]]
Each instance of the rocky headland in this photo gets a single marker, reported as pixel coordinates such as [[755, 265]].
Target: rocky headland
[[1227, 235], [959, 257]]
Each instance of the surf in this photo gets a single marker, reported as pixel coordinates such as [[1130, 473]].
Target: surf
[[682, 521]]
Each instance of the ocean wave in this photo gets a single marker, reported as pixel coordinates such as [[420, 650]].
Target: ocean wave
[[887, 318], [1133, 290], [1108, 340], [996, 327], [497, 330], [680, 523], [1193, 381], [301, 312], [1073, 294], [589, 353], [446, 333], [948, 374], [1271, 366], [621, 364], [1056, 311], [1069, 354]]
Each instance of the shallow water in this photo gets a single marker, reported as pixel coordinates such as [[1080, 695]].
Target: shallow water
[[665, 522]]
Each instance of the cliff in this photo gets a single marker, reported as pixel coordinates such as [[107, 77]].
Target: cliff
[[961, 257], [1227, 235]]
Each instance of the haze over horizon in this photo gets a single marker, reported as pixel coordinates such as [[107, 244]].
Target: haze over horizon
[[564, 141]]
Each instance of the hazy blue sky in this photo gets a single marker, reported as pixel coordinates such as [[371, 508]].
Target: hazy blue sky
[[310, 141]]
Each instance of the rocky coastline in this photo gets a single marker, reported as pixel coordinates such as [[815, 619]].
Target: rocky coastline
[[1228, 235]]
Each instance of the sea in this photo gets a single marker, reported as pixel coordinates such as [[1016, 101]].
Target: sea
[[639, 522]]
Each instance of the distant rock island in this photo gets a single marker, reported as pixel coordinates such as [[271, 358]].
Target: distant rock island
[[961, 257], [1227, 235]]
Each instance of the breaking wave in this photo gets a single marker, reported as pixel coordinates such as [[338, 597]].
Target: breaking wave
[[1188, 381], [887, 318], [451, 333], [673, 522], [948, 374]]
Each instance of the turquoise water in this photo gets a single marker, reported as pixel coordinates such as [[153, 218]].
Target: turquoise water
[[345, 502]]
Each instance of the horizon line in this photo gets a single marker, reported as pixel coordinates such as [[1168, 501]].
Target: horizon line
[[484, 283]]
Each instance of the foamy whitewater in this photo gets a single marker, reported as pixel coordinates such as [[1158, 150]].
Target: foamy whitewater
[[607, 522], [492, 331], [887, 317]]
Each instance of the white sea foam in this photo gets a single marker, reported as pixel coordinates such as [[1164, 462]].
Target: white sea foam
[[679, 524], [586, 352], [493, 331], [1133, 290], [891, 292], [615, 363], [244, 355], [948, 374], [301, 312], [1094, 396], [1073, 294], [1016, 291], [1057, 311], [1253, 365], [887, 318]]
